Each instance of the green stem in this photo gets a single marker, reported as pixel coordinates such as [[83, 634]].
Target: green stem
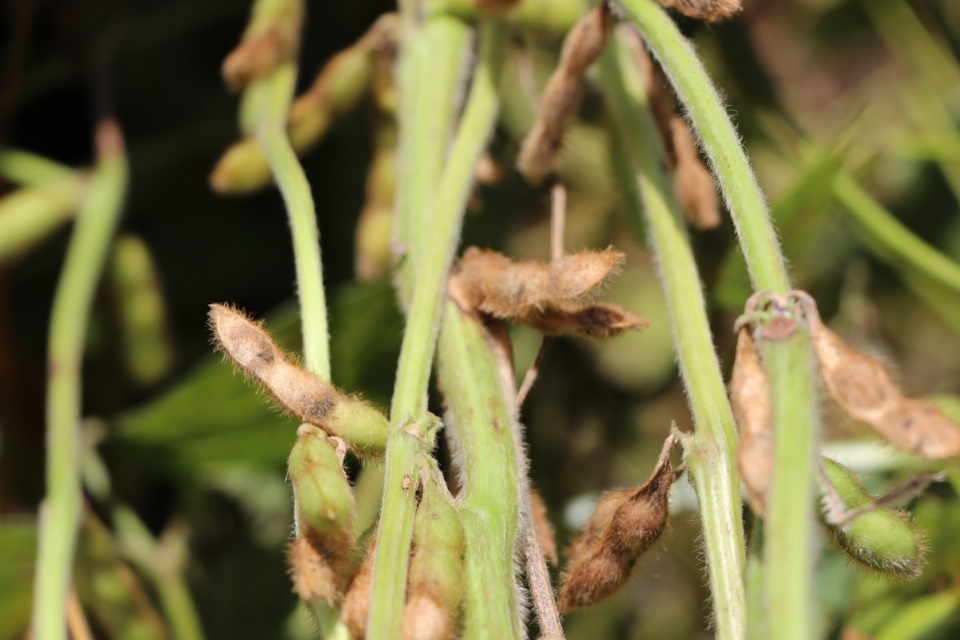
[[711, 457], [30, 169], [480, 421], [789, 586], [890, 238], [432, 60], [271, 96], [72, 303], [719, 139], [420, 335]]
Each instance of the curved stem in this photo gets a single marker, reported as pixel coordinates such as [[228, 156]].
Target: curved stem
[[420, 336], [72, 303], [271, 97], [710, 454]]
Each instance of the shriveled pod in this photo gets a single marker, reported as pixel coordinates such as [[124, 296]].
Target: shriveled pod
[[436, 579], [881, 540], [624, 524], [708, 10], [545, 295], [864, 389], [582, 47], [750, 400]]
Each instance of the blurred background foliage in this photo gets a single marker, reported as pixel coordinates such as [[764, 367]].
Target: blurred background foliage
[[851, 113]]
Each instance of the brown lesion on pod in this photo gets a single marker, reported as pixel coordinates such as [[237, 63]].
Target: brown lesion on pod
[[624, 524], [301, 393], [539, 154], [319, 565], [864, 389], [546, 296]]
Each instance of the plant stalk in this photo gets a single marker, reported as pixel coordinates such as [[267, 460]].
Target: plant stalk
[[420, 336], [72, 304], [479, 421], [788, 586], [270, 99], [711, 458]]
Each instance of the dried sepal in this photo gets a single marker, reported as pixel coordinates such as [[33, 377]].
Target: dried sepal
[[708, 10], [864, 389], [750, 400], [583, 45], [624, 524], [436, 578], [880, 540], [600, 321], [544, 530], [355, 609], [692, 180]]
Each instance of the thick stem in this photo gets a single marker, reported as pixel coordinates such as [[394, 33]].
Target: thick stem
[[711, 453], [72, 302], [480, 420], [430, 71], [271, 97], [420, 335]]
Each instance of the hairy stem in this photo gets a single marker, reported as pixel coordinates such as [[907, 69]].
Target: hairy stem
[[480, 422], [711, 458], [72, 302], [789, 587], [420, 335], [270, 99]]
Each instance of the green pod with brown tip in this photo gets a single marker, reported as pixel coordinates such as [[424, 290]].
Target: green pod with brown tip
[[436, 578], [881, 540], [321, 490], [359, 424]]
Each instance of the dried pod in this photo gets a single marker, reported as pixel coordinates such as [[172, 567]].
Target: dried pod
[[321, 490], [318, 565], [583, 45], [500, 287], [750, 400], [355, 609], [272, 37], [300, 392], [544, 529], [864, 389], [692, 181], [881, 540], [623, 526], [708, 10], [435, 580]]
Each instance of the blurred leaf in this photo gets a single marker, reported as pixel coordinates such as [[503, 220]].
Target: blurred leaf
[[18, 548]]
